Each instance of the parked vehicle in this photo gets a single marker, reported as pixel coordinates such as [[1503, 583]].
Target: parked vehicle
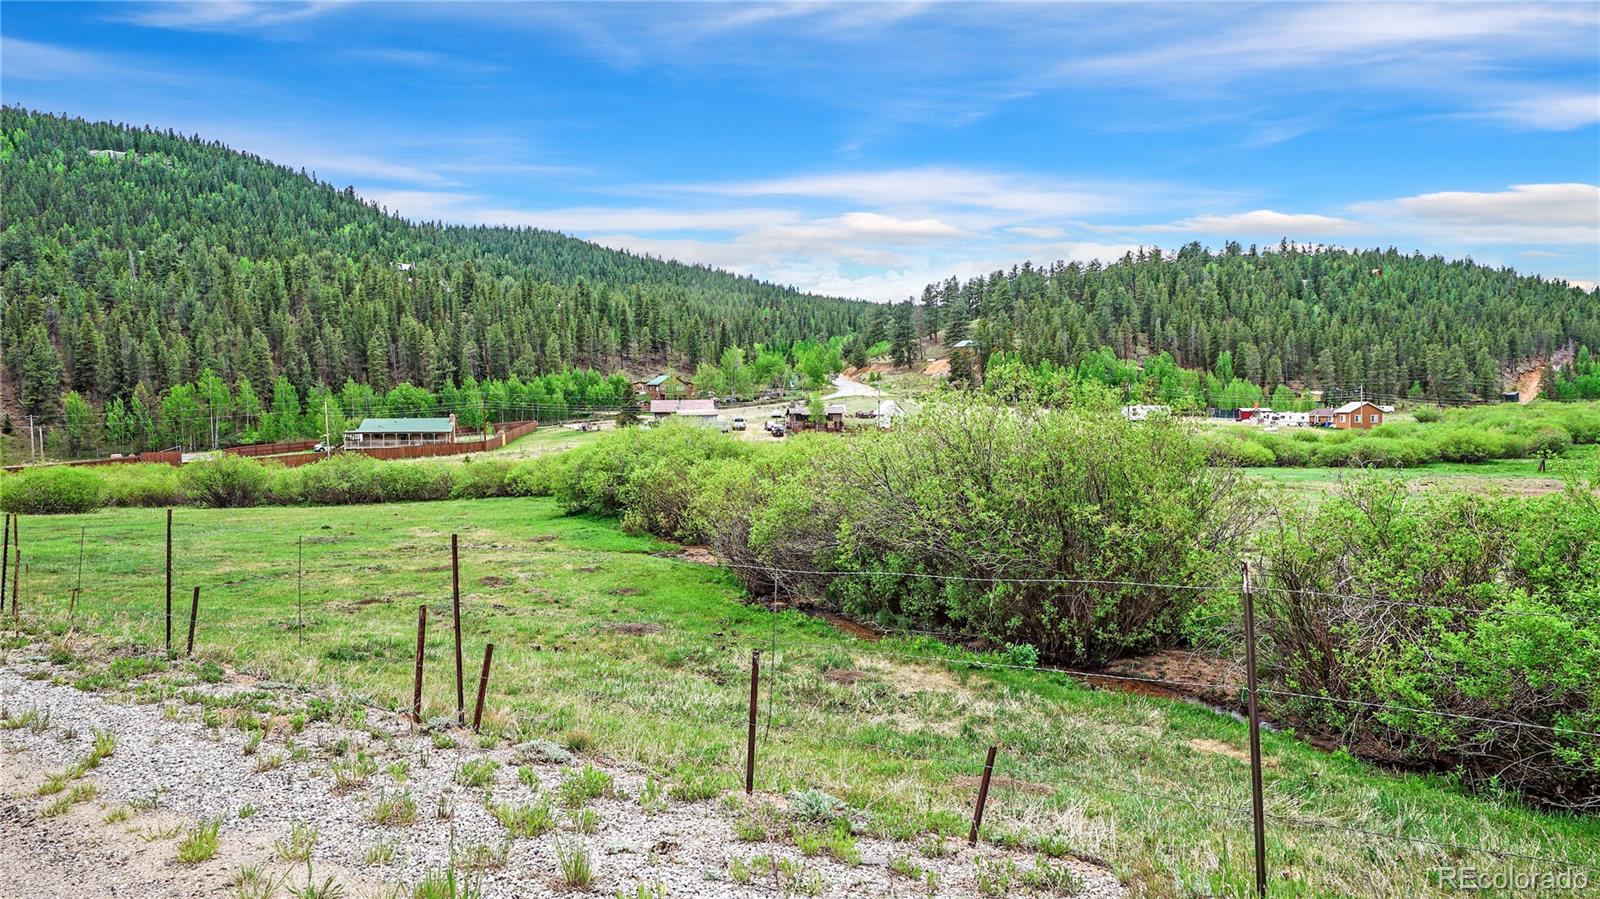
[[739, 424]]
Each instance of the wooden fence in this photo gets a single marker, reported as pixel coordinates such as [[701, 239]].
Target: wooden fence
[[170, 457], [272, 449]]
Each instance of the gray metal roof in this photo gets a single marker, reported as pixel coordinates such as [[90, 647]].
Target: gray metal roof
[[403, 426]]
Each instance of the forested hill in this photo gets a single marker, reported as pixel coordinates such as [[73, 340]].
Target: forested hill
[[1378, 320], [146, 257]]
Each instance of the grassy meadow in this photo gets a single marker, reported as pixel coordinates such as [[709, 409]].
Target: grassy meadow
[[617, 645]]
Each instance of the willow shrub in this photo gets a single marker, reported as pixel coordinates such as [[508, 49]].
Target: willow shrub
[[54, 490], [1465, 605], [939, 515]]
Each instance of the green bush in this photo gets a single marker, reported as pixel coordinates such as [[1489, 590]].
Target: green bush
[[1236, 449], [141, 485], [1428, 414], [339, 480], [51, 490], [529, 478], [480, 479], [1461, 605], [226, 481], [395, 482]]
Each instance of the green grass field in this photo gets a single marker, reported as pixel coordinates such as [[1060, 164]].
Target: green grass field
[[611, 640]]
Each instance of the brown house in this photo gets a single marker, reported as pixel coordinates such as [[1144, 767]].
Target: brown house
[[1359, 415]]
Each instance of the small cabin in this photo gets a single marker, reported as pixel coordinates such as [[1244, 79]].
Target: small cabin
[[377, 432], [833, 417], [1252, 413]]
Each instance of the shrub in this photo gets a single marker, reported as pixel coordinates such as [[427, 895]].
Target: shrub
[[1236, 450], [51, 490], [1519, 641], [1428, 414], [141, 485], [1550, 440], [530, 478], [225, 481], [342, 479], [980, 490], [395, 482], [480, 480]]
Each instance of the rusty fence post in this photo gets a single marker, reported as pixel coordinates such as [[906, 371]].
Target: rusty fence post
[[299, 593], [750, 745], [483, 687], [455, 602], [16, 565], [194, 612], [1257, 812], [983, 796], [169, 582], [77, 590], [5, 561], [416, 689]]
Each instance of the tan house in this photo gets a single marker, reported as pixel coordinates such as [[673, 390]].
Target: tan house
[[1359, 415]]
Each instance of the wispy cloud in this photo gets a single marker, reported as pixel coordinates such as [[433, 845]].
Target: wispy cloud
[[31, 59], [1259, 222], [1543, 110], [222, 15], [427, 59], [1012, 194]]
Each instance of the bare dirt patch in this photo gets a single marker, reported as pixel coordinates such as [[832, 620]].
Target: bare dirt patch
[[1006, 783], [1181, 674], [493, 580], [701, 555], [626, 591], [915, 678], [843, 676]]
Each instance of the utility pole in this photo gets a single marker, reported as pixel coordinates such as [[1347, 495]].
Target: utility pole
[[327, 431]]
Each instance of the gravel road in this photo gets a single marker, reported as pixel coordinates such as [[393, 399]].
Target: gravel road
[[169, 770]]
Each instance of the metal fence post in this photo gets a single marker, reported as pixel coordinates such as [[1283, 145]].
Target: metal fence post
[[483, 687], [416, 689], [983, 796], [5, 560], [169, 582], [455, 602], [750, 746], [1257, 811], [194, 613]]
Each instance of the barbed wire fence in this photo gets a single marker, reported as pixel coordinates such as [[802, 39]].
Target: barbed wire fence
[[139, 609]]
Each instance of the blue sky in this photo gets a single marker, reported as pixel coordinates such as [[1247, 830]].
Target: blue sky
[[867, 149]]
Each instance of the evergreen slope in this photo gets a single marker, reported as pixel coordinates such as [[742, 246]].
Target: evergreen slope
[[1377, 321], [144, 257]]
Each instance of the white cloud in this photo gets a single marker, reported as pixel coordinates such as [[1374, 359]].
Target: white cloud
[[1040, 233], [1521, 214], [30, 59], [1259, 222]]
